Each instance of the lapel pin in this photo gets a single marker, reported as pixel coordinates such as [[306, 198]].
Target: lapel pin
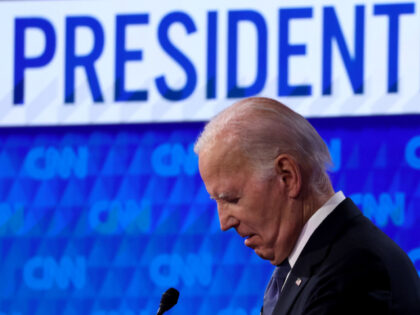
[[298, 281]]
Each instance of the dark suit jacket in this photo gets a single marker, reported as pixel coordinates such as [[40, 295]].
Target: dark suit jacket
[[349, 266]]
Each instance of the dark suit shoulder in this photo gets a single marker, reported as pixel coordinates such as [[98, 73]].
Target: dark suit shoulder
[[353, 283], [362, 271]]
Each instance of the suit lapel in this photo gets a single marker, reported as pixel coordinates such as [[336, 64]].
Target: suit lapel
[[314, 253], [292, 287]]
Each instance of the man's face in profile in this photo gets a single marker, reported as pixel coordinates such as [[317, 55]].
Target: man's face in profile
[[257, 208]]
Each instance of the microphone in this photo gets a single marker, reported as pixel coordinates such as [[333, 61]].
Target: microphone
[[168, 300]]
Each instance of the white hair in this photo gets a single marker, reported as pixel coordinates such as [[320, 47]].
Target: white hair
[[263, 129]]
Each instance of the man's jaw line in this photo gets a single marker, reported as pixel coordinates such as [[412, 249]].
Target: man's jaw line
[[248, 238]]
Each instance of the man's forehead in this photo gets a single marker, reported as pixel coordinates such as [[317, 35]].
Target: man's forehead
[[223, 171], [222, 157]]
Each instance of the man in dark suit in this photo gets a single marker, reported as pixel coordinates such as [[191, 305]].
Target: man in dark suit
[[265, 166]]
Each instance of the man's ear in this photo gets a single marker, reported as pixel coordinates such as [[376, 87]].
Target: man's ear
[[289, 173]]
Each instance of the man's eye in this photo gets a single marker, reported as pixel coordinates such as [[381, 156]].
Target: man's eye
[[233, 200]]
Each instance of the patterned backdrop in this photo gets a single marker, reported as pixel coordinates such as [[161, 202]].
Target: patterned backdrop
[[102, 220]]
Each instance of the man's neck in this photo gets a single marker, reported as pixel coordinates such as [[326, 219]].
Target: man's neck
[[314, 202], [312, 224]]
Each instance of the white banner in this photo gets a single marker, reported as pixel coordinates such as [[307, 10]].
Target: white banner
[[100, 62]]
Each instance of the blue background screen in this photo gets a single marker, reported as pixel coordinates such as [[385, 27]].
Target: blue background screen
[[103, 219]]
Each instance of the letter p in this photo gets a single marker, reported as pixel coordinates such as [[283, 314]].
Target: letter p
[[21, 61]]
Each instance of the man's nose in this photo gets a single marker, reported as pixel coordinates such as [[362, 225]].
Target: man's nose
[[226, 220]]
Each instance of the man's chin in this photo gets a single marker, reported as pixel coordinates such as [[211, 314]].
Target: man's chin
[[264, 254], [268, 255]]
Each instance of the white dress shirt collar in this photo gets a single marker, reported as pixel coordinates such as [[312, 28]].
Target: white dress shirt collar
[[312, 224]]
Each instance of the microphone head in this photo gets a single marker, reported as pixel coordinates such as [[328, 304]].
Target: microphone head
[[169, 299]]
